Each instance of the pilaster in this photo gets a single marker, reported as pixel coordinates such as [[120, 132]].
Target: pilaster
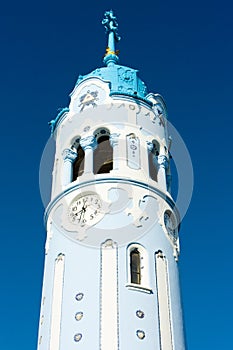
[[114, 141], [69, 156], [162, 167]]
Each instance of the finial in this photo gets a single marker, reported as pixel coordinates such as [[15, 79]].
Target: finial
[[111, 25]]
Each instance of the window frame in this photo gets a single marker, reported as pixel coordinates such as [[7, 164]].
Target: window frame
[[144, 285]]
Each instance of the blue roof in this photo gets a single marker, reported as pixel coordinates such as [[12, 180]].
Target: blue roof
[[123, 80]]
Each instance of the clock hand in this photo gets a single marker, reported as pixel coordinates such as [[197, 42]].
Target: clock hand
[[82, 212], [78, 212]]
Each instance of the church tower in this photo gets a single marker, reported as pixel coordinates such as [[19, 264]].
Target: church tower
[[111, 276]]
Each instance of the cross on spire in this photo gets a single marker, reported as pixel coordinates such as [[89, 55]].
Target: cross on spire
[[110, 23]]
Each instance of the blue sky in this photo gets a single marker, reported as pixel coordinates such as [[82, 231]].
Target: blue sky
[[184, 51]]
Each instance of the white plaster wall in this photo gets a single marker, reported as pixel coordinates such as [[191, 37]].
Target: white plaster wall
[[139, 221]]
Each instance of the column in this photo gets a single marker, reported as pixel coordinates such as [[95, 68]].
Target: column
[[88, 144], [114, 141], [69, 157], [162, 167]]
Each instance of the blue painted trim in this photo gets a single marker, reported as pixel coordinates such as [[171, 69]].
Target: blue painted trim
[[161, 194], [53, 123]]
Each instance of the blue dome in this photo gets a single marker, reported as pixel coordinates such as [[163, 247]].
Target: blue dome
[[123, 80]]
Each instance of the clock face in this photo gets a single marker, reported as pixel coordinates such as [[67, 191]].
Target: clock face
[[169, 222], [85, 209]]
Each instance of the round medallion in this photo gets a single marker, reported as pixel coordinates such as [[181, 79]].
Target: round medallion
[[140, 334], [77, 337], [79, 296], [140, 314], [133, 147], [79, 316]]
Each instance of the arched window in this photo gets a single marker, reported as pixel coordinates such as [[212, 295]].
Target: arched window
[[138, 269], [78, 165], [103, 154], [153, 153], [135, 266]]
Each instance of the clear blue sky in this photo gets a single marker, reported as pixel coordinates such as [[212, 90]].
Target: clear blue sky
[[183, 50]]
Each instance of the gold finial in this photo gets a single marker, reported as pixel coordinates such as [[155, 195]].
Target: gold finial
[[110, 52]]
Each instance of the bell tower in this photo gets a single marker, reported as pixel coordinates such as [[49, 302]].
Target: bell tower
[[111, 276]]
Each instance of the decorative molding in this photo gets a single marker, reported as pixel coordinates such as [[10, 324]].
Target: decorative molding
[[88, 142], [62, 113], [140, 334], [55, 327], [170, 225], [114, 139], [163, 294], [87, 99], [79, 296], [109, 322], [139, 288], [133, 151], [140, 314], [48, 238], [77, 337], [162, 161], [110, 24], [112, 180], [150, 146], [87, 128], [79, 316], [69, 155], [160, 255]]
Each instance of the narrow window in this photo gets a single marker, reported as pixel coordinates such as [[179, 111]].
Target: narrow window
[[153, 168], [78, 166], [138, 268], [135, 266], [103, 155]]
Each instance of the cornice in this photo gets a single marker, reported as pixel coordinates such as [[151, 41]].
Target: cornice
[[114, 180]]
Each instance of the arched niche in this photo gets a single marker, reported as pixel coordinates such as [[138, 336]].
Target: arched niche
[[103, 154]]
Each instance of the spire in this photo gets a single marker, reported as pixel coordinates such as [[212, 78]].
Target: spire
[[111, 25]]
